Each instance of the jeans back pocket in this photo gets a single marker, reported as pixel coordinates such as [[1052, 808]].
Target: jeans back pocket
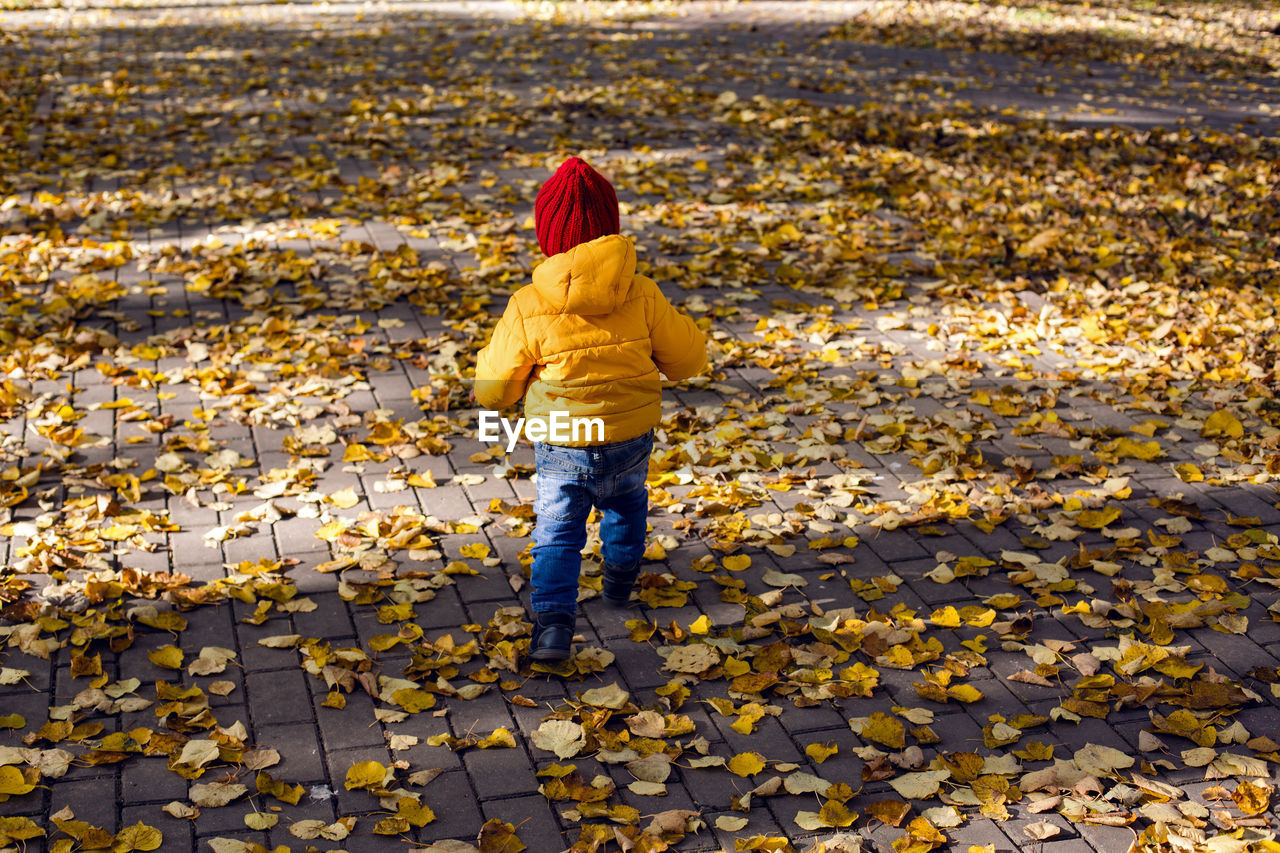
[[564, 462]]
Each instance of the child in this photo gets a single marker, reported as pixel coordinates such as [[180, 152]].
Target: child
[[588, 337]]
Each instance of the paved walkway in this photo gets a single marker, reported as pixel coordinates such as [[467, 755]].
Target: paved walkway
[[975, 516]]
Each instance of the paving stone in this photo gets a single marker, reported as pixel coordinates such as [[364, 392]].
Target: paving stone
[[207, 626], [299, 747], [248, 548], [447, 501], [770, 739], [298, 536], [331, 620], [713, 788], [336, 729], [243, 835], [481, 715], [274, 696], [91, 800], [38, 678], [259, 658], [1234, 652], [1091, 730], [423, 756], [980, 833], [759, 822], [149, 779], [534, 817], [784, 809], [802, 721], [456, 806], [187, 548], [177, 834], [677, 796], [960, 732], [27, 805], [491, 586], [844, 765], [1015, 827], [33, 707], [1106, 838], [499, 772], [638, 667]]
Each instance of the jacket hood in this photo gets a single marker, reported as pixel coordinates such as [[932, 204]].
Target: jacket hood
[[591, 278]]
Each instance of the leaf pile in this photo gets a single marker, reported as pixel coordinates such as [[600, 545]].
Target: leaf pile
[[982, 479]]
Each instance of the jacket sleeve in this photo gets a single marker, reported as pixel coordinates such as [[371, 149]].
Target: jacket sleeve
[[679, 347], [504, 366]]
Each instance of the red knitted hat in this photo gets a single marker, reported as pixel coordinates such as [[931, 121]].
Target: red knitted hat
[[575, 205]]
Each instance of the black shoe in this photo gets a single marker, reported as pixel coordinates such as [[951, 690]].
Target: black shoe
[[618, 583], [552, 636]]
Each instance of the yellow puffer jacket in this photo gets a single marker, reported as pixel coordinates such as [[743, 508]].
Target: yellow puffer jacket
[[589, 337]]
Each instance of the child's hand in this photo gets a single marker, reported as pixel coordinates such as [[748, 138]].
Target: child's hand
[[471, 397]]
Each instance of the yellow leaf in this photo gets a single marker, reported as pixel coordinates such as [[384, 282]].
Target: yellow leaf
[[1144, 450], [356, 452], [166, 657], [13, 783], [919, 786], [835, 813], [331, 531], [1252, 797], [1098, 760], [1040, 243], [737, 562], [1099, 518], [18, 829], [966, 693], [365, 774], [746, 764], [820, 752], [413, 700], [344, 499], [501, 737], [499, 837], [1224, 423], [137, 837], [414, 812], [945, 617], [278, 788], [884, 729], [1188, 473], [701, 625]]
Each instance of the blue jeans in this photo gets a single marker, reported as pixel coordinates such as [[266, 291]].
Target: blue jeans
[[570, 481]]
